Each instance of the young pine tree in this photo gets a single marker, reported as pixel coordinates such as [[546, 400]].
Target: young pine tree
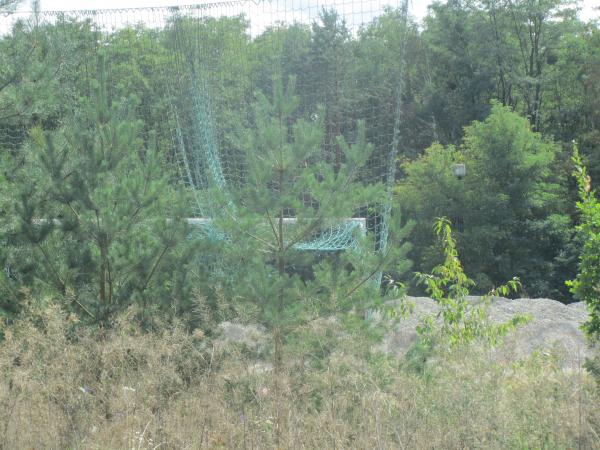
[[100, 219], [287, 178]]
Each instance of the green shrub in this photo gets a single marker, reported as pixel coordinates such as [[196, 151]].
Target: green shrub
[[586, 286], [462, 321]]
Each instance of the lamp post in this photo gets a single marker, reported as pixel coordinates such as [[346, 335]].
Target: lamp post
[[460, 171]]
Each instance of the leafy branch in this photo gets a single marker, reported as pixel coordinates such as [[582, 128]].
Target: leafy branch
[[448, 285]]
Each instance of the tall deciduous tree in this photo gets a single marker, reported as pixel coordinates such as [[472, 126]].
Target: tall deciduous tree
[[510, 205], [495, 49]]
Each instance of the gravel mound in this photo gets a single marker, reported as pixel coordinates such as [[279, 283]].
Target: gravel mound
[[553, 326], [254, 337]]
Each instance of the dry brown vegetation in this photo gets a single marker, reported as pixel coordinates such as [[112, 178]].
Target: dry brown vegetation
[[61, 388]]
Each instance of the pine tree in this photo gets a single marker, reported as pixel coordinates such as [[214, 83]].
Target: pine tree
[[291, 196], [330, 69], [101, 223], [266, 254]]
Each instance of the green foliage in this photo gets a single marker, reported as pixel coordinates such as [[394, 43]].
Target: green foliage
[[582, 61], [377, 58], [592, 365], [101, 223], [461, 321], [215, 51], [330, 54], [506, 51], [586, 286], [510, 209], [289, 285], [462, 79]]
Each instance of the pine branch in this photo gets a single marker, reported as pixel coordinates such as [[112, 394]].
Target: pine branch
[[277, 237], [61, 283], [378, 268], [156, 263]]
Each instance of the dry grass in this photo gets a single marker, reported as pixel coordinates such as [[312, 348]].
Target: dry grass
[[136, 390]]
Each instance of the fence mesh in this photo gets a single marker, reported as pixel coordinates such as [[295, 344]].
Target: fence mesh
[[195, 69]]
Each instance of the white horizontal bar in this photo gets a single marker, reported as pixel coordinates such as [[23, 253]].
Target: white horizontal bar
[[200, 221]]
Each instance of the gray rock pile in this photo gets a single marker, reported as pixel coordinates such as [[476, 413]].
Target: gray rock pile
[[553, 327], [254, 337]]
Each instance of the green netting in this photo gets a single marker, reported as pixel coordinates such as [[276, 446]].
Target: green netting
[[200, 166], [336, 237], [197, 76]]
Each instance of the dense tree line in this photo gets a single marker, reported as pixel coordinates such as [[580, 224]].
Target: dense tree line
[[86, 134]]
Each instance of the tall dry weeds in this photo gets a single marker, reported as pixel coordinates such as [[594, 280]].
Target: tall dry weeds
[[61, 388]]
